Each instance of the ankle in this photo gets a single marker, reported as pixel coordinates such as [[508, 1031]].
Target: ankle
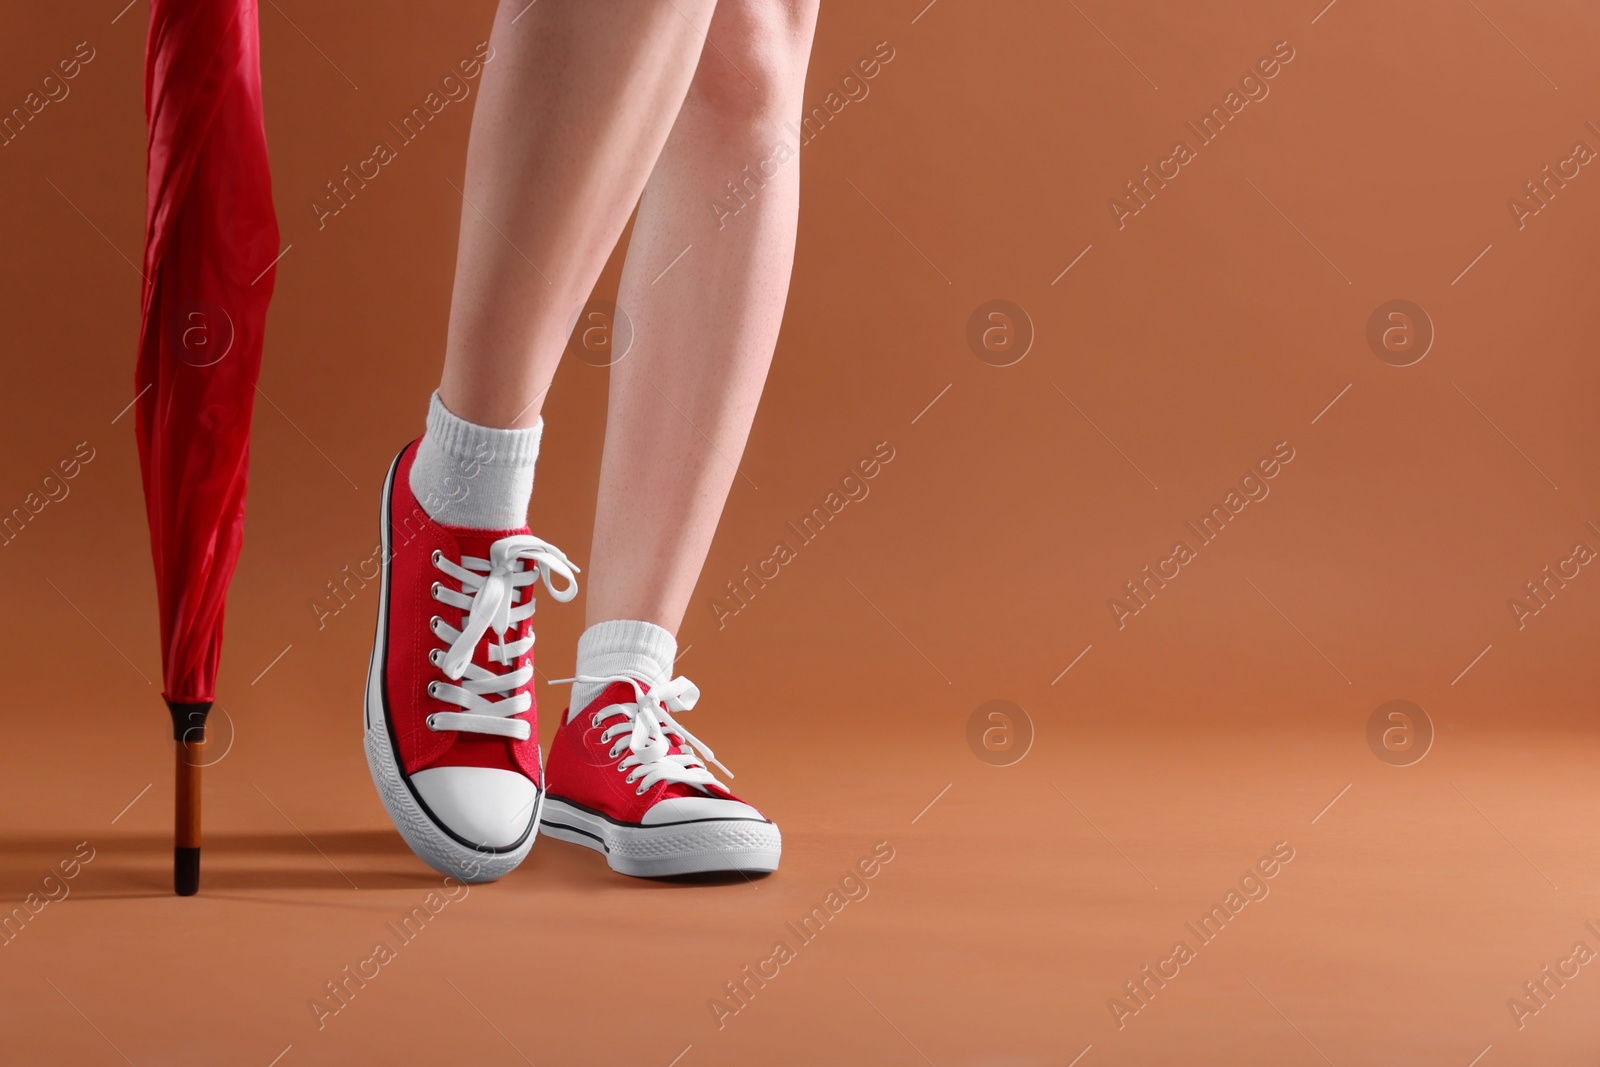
[[621, 648], [472, 476]]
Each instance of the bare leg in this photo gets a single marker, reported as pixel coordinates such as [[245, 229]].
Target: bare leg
[[683, 399], [574, 108]]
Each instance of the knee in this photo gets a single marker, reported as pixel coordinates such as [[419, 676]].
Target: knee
[[753, 67]]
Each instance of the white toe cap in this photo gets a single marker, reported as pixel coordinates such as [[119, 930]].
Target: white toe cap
[[687, 809], [487, 806]]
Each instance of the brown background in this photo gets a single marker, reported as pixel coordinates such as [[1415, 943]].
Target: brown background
[[1224, 718]]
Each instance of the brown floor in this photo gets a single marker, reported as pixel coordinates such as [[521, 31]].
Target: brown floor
[[1012, 911], [1169, 753]]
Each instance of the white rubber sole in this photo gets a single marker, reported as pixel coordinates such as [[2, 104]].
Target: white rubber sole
[[433, 844], [699, 847]]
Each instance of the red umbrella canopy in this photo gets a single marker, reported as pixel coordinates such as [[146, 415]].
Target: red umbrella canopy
[[211, 242]]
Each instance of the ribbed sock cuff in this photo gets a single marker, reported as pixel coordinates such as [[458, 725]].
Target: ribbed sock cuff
[[628, 647], [480, 477]]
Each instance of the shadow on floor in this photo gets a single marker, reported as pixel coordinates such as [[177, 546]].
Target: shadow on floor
[[136, 864], [140, 864]]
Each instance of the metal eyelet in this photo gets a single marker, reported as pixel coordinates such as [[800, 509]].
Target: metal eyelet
[[436, 557], [434, 590], [639, 792], [432, 687], [595, 722], [430, 724]]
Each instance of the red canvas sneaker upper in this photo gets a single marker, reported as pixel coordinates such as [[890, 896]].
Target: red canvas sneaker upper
[[626, 757], [459, 673]]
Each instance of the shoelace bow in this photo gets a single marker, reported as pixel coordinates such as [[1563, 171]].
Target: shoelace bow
[[488, 594], [650, 727]]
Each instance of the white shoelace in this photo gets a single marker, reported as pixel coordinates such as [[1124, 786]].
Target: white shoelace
[[488, 594], [648, 721]]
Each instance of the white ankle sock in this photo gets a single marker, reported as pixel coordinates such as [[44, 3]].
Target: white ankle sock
[[637, 649], [474, 476]]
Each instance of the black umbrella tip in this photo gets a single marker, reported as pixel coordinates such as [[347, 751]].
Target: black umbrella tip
[[186, 871], [189, 720]]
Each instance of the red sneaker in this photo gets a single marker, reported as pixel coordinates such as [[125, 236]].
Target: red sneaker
[[452, 737], [628, 781]]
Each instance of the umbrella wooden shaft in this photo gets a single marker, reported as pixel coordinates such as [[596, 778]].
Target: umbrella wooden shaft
[[189, 736], [186, 825]]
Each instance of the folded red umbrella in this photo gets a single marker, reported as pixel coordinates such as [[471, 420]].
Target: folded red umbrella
[[211, 241]]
